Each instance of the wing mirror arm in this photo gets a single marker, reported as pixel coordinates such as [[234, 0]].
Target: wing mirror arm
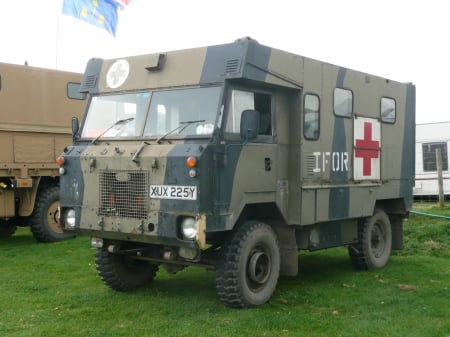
[[75, 127]]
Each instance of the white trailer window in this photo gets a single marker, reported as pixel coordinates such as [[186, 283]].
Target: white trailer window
[[429, 156]]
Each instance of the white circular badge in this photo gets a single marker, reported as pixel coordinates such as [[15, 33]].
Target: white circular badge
[[117, 74]]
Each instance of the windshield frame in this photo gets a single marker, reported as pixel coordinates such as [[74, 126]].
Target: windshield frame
[[176, 113]]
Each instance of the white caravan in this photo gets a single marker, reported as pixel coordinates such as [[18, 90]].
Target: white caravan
[[429, 137]]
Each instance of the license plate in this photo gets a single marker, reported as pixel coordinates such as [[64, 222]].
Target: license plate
[[173, 192]]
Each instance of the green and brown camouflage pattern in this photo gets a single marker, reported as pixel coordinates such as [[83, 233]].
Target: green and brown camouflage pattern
[[282, 179]]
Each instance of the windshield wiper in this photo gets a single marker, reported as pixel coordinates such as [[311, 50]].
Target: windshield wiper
[[179, 128], [120, 121]]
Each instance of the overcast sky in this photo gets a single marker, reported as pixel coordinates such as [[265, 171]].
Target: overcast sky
[[407, 41]]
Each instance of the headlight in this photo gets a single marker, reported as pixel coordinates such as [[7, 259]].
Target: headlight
[[69, 219], [189, 228]]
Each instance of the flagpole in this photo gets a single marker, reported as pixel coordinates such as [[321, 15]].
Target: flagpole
[[57, 34]]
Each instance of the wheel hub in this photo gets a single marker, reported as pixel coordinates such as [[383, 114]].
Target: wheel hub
[[377, 241], [259, 267], [53, 217]]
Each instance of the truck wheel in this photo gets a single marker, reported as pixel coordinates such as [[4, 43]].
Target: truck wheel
[[7, 228], [374, 242], [249, 266], [44, 221], [121, 272]]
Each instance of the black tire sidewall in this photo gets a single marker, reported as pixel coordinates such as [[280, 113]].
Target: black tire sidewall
[[261, 236], [379, 219], [7, 229], [122, 273], [232, 283], [40, 227]]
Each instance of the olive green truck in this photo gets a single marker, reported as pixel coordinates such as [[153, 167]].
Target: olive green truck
[[234, 158], [36, 107]]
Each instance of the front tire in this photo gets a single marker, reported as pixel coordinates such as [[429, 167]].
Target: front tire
[[249, 266], [374, 242], [44, 221], [121, 272]]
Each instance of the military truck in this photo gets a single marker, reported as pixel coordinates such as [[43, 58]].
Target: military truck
[[234, 158], [36, 107]]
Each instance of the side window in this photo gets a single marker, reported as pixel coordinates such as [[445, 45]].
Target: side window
[[241, 100], [387, 110], [73, 91], [311, 117], [343, 102], [263, 104], [429, 156]]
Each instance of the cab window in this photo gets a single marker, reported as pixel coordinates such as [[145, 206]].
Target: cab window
[[311, 117], [241, 100]]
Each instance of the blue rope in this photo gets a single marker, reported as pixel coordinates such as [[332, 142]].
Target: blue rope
[[431, 215]]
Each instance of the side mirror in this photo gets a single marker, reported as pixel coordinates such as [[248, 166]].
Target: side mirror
[[75, 127], [249, 124]]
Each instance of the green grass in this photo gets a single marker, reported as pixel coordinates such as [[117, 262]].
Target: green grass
[[53, 290]]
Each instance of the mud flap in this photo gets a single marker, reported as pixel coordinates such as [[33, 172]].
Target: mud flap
[[288, 249], [397, 234]]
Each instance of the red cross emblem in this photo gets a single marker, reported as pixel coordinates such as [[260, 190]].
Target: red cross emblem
[[367, 148], [117, 74]]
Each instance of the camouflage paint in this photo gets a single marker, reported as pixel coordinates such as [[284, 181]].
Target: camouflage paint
[[409, 144], [339, 196], [229, 170], [72, 189]]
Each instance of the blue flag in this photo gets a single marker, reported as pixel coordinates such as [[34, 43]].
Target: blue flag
[[100, 13]]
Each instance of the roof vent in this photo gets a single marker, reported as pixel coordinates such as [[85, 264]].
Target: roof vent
[[232, 66], [155, 62]]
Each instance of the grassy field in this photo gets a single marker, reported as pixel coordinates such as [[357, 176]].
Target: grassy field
[[53, 290]]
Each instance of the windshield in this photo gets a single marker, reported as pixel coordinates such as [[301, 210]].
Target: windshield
[[189, 112]]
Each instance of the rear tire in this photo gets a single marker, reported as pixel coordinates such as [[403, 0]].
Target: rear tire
[[7, 228], [44, 221], [121, 272], [249, 266], [374, 242]]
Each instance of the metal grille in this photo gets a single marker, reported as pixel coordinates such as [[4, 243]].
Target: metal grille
[[232, 66], [310, 164], [89, 82], [123, 193]]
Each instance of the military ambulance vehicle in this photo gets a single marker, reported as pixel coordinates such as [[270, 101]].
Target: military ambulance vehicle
[[36, 107], [234, 157]]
